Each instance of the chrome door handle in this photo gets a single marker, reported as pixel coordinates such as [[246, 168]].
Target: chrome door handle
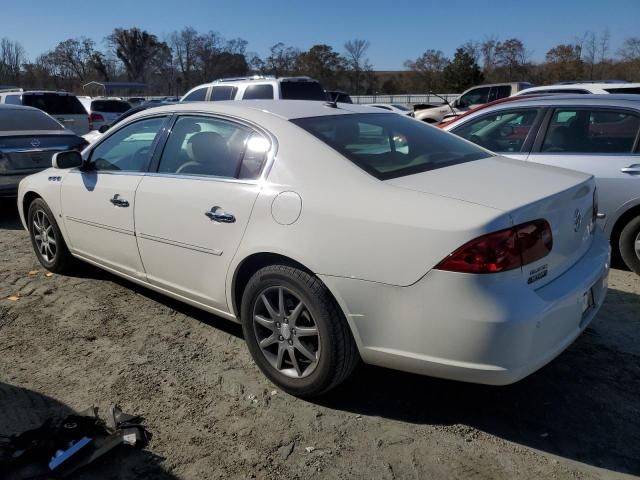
[[217, 215], [118, 201], [635, 168]]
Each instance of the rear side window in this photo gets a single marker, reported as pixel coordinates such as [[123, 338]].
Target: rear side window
[[497, 93], [16, 120], [503, 131], [223, 93], [13, 100], [54, 104], [109, 106], [632, 90], [258, 92], [591, 131], [197, 95], [390, 146], [302, 91], [213, 147]]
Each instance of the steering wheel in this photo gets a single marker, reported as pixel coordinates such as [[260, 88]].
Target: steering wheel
[[191, 163]]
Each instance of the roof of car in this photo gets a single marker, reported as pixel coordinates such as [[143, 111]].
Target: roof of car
[[10, 106], [285, 109], [580, 86], [618, 99]]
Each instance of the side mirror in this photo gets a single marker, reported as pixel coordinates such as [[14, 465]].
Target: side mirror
[[68, 159], [104, 127]]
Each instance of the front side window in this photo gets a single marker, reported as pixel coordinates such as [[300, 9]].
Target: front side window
[[591, 131], [128, 149], [198, 95], [258, 92], [213, 147], [503, 131], [477, 96], [390, 146]]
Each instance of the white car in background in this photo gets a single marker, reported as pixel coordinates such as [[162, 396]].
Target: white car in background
[[103, 111], [63, 106], [394, 107], [333, 234]]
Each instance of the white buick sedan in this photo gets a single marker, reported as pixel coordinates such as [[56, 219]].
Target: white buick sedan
[[334, 234]]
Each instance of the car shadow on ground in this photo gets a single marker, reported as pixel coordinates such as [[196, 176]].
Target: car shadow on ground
[[23, 409], [9, 219], [584, 406]]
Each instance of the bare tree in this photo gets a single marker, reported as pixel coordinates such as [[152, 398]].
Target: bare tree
[[512, 55], [488, 51], [185, 46], [429, 67], [136, 49], [74, 57], [357, 62], [12, 56], [283, 60], [630, 50]]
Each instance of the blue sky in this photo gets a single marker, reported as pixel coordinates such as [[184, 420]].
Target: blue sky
[[398, 30]]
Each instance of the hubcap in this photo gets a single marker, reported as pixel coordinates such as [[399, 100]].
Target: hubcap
[[637, 245], [44, 236], [286, 332]]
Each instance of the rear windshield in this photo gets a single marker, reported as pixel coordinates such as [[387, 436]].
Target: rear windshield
[[302, 91], [54, 104], [16, 120], [390, 146], [109, 106], [630, 90]]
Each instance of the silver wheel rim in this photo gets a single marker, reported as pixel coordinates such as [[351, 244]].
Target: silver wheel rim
[[286, 332], [44, 236], [636, 245]]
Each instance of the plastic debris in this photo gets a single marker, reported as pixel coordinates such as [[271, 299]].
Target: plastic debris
[[13, 298], [309, 449], [48, 274]]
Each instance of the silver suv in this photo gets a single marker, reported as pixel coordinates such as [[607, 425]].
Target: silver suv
[[598, 134], [257, 88], [63, 106]]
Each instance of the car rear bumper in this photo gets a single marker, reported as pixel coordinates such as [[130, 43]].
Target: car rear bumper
[[473, 328]]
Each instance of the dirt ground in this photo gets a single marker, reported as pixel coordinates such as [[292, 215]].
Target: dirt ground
[[69, 342]]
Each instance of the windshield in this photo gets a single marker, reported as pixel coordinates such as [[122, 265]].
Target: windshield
[[54, 103], [302, 91], [390, 146], [13, 120]]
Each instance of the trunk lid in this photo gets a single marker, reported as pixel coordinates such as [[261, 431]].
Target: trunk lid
[[27, 152], [526, 191]]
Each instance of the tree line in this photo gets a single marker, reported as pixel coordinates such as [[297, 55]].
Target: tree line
[[186, 58]]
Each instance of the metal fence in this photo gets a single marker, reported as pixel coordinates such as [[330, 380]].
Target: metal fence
[[410, 99]]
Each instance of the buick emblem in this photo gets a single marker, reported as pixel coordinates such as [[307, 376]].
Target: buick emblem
[[35, 142], [577, 220]]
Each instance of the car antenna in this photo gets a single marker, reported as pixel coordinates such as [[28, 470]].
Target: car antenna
[[332, 103], [445, 101]]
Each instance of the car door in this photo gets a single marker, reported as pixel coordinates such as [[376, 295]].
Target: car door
[[600, 141], [191, 213], [98, 200], [509, 131]]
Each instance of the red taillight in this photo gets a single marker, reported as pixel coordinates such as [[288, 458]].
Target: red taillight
[[502, 250], [95, 117]]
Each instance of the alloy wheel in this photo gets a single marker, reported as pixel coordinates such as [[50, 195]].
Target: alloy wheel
[[44, 236], [286, 332]]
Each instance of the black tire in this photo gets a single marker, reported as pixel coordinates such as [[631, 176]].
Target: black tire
[[629, 235], [58, 259], [338, 355]]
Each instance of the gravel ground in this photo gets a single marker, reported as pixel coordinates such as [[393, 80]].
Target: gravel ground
[[69, 342]]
